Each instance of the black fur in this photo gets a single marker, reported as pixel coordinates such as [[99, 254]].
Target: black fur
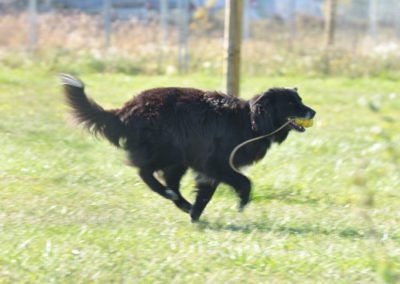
[[168, 130]]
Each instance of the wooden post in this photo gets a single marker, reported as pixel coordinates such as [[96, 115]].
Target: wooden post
[[330, 23], [107, 23], [163, 33], [233, 36], [32, 24], [183, 26]]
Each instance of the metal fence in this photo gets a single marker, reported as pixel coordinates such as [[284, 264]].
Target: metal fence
[[181, 27]]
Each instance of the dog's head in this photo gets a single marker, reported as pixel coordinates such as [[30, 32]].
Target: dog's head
[[275, 107]]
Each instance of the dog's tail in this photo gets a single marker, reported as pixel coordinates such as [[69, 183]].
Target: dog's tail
[[87, 112]]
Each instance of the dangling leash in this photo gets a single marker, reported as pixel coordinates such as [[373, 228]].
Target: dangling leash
[[232, 155]]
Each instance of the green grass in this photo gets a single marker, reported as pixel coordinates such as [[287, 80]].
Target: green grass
[[325, 203]]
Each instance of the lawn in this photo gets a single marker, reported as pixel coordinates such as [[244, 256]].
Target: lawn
[[326, 203]]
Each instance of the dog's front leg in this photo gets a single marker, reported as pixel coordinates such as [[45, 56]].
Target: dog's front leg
[[241, 184]]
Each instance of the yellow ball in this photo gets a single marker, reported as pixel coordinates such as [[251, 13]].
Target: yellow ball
[[304, 122]]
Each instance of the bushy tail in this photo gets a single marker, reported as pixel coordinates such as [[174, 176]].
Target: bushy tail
[[88, 113]]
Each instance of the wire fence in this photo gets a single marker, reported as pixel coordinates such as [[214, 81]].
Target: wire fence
[[187, 34]]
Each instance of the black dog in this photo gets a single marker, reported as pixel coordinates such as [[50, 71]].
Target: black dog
[[169, 130]]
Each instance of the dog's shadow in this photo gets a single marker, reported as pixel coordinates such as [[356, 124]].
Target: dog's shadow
[[288, 196], [306, 229]]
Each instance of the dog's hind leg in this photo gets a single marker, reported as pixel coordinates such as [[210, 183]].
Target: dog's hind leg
[[206, 188], [172, 176], [147, 176]]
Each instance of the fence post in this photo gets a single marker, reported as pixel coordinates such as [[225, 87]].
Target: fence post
[[397, 20], [32, 24], [247, 20], [330, 23], [292, 21], [183, 27], [163, 33], [107, 23], [233, 36], [163, 22], [373, 18]]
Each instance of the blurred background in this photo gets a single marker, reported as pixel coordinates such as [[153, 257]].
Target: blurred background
[[284, 37], [325, 203]]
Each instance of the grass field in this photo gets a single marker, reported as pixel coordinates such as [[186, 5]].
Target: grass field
[[326, 203]]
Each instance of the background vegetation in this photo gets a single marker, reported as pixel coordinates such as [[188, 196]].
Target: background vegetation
[[137, 48]]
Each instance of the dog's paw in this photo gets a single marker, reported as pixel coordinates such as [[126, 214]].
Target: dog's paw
[[242, 205]]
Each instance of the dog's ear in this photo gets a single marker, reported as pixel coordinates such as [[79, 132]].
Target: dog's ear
[[261, 114]]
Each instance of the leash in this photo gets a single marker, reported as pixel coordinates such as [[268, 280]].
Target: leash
[[232, 155]]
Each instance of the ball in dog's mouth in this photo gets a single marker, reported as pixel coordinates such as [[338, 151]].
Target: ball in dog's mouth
[[300, 124]]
